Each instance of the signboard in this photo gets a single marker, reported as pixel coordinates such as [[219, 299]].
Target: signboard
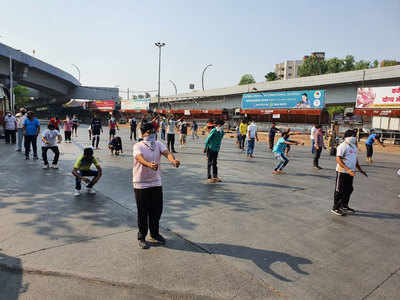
[[378, 97], [187, 112], [277, 100], [102, 105], [137, 104], [276, 116]]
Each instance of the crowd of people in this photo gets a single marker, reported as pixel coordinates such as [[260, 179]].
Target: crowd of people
[[24, 128]]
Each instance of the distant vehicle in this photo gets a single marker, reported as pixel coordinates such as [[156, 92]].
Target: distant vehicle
[[122, 121]]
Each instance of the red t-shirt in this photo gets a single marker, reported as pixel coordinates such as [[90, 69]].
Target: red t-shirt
[[155, 124], [55, 122]]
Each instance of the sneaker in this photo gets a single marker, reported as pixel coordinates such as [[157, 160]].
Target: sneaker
[[337, 212], [91, 191], [26, 157], [53, 166], [158, 239], [348, 209], [77, 193], [18, 150], [35, 158], [143, 244], [45, 167]]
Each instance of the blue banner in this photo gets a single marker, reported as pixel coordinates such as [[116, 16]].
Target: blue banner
[[284, 100]]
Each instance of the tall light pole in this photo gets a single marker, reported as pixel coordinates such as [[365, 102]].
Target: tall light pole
[[173, 83], [11, 86], [202, 75], [159, 45], [79, 71]]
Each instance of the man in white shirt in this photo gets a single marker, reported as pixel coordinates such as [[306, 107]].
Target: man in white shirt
[[251, 138], [49, 141], [347, 163], [312, 134], [21, 117], [10, 128], [171, 134]]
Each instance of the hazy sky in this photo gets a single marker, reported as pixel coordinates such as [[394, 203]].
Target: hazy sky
[[113, 41]]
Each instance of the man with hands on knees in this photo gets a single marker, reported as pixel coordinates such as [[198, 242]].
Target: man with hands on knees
[[347, 163], [82, 169], [147, 183]]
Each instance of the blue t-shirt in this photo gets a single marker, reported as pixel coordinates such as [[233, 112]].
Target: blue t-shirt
[[31, 126], [371, 139], [280, 146]]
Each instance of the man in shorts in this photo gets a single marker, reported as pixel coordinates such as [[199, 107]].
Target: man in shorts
[[112, 124]]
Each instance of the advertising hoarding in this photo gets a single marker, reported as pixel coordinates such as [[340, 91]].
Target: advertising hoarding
[[378, 97], [138, 104], [284, 100], [102, 105]]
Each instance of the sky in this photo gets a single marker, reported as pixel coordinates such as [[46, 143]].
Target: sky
[[112, 42]]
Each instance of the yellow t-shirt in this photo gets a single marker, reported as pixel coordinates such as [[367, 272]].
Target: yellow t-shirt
[[84, 165], [243, 128]]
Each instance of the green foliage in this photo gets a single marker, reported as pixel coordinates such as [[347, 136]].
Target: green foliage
[[334, 65], [247, 79], [348, 63], [21, 96], [388, 63], [361, 65], [312, 66], [375, 63], [332, 110], [271, 76]]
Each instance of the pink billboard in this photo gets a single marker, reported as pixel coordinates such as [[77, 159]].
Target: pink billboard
[[378, 97]]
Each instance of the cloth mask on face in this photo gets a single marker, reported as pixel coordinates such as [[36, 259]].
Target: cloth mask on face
[[351, 140], [150, 141]]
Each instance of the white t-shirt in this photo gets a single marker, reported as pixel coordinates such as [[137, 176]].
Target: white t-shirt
[[10, 122], [20, 121], [51, 137], [348, 153], [145, 177], [171, 126], [251, 131], [313, 130]]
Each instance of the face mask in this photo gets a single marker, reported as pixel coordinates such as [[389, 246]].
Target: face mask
[[351, 140], [150, 140], [219, 129]]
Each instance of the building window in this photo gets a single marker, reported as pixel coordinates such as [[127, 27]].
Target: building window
[[290, 67], [290, 74]]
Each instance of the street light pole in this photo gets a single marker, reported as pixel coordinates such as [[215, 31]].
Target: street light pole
[[159, 45], [79, 72], [202, 75], [11, 87], [173, 83]]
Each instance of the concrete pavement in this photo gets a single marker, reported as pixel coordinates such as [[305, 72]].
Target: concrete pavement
[[254, 236]]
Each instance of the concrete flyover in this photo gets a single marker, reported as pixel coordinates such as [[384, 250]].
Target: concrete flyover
[[48, 83]]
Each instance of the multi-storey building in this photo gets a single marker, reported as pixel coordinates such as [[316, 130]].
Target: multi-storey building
[[288, 69]]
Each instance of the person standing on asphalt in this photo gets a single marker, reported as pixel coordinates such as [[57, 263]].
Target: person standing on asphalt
[[112, 124], [369, 144], [252, 137], [75, 124], [67, 129], [21, 117], [183, 133], [171, 134], [279, 150], [10, 128], [96, 130], [212, 147], [82, 170], [163, 125], [195, 127], [347, 163], [49, 141], [318, 146], [271, 135], [133, 126], [147, 184], [312, 137], [243, 132], [31, 130]]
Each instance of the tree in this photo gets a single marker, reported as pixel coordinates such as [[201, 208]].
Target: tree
[[312, 66], [247, 79], [348, 63], [271, 76], [375, 64], [361, 65], [21, 96], [334, 65], [388, 63], [333, 110]]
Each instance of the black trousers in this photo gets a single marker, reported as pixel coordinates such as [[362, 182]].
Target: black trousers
[[242, 141], [96, 139], [67, 135], [30, 139], [212, 163], [56, 154], [271, 140], [133, 130], [317, 155], [370, 150], [10, 135], [149, 204], [343, 190], [171, 142]]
